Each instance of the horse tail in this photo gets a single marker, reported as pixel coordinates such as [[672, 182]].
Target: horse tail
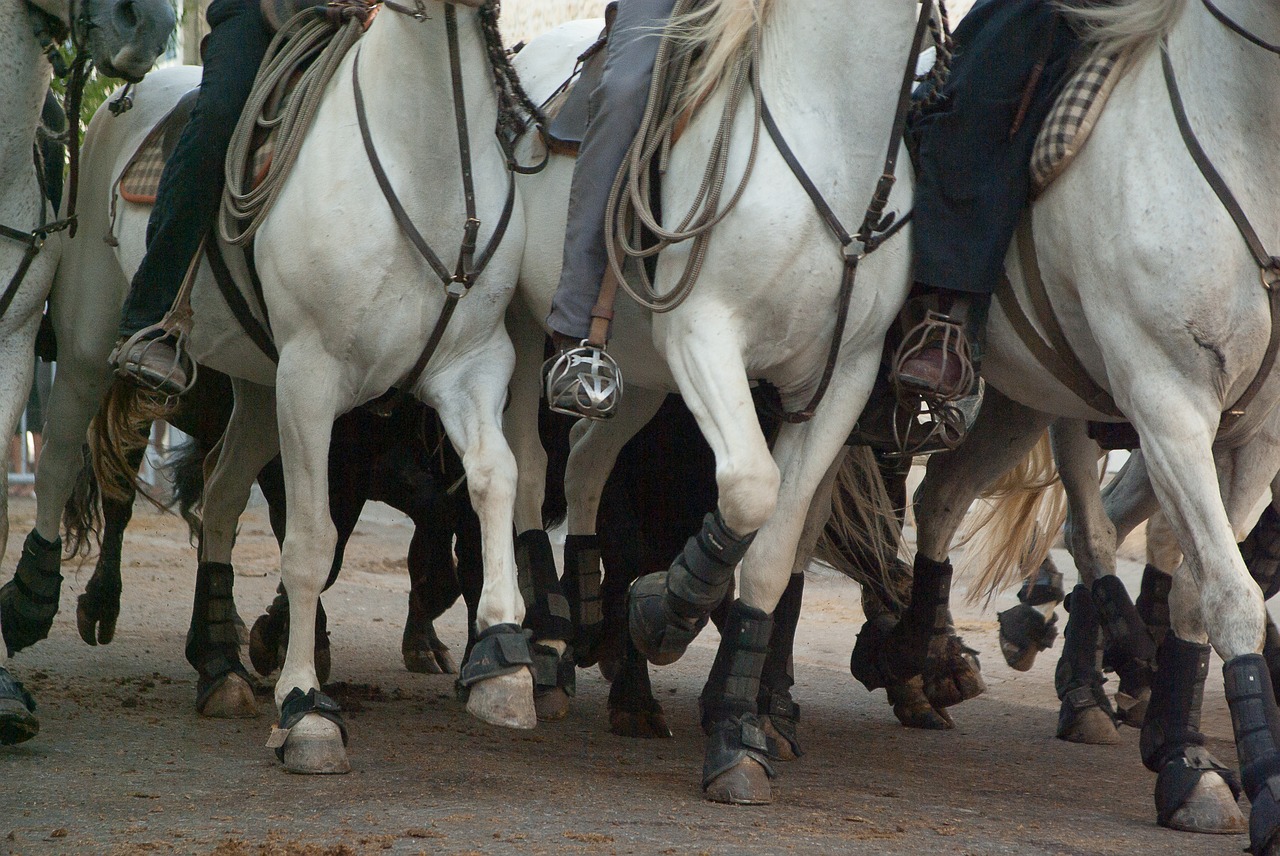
[[1024, 512], [720, 29], [82, 515], [1121, 27], [863, 536], [121, 430], [185, 469]]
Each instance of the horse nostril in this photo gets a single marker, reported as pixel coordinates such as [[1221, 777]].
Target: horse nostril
[[126, 14]]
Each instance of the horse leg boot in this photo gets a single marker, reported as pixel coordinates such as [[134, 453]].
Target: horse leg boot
[[1086, 715], [29, 601], [1256, 722], [18, 721], [1153, 602], [1129, 649], [1032, 625], [668, 609], [547, 615], [223, 688], [1194, 792], [581, 586], [779, 714], [736, 767]]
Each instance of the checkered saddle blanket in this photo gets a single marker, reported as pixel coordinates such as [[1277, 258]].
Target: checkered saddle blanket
[[1073, 118], [140, 179]]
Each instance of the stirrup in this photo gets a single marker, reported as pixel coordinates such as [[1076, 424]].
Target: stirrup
[[583, 381], [948, 335], [127, 357]]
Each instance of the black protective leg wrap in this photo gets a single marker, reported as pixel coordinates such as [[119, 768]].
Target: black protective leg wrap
[[552, 670], [730, 696], [1025, 632], [1078, 679], [1153, 602], [1130, 651], [213, 642], [1172, 744], [581, 586], [547, 611], [929, 614], [1045, 587], [668, 609], [29, 601], [298, 704], [1261, 552], [1256, 722], [1271, 652], [502, 649], [778, 675]]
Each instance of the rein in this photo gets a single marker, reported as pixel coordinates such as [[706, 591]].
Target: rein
[[1268, 264], [50, 31], [469, 265]]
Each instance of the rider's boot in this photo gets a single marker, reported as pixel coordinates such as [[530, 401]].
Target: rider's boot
[[150, 362], [582, 379], [939, 358]]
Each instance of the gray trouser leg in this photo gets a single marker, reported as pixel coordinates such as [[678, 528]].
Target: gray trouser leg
[[617, 108]]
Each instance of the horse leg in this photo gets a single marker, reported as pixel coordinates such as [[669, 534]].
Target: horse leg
[[99, 607], [223, 687], [1206, 498]]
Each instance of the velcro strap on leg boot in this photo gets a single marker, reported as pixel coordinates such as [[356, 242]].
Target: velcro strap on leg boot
[[1153, 602], [784, 713], [546, 607], [734, 683], [1256, 722], [212, 637], [1261, 552], [502, 649], [29, 601], [298, 704], [581, 586], [1173, 716], [732, 741], [552, 670], [1130, 652], [1179, 776]]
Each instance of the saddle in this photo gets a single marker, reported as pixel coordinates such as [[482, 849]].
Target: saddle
[[1073, 118], [568, 110]]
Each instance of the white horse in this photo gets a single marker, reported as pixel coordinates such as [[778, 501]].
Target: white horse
[[352, 303], [1159, 297], [764, 306], [123, 38]]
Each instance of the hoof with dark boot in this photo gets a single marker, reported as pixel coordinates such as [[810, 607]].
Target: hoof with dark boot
[[18, 721], [581, 587], [497, 675], [952, 673], [1085, 715], [311, 737], [1130, 651], [1256, 722], [1024, 633], [29, 601], [554, 682]]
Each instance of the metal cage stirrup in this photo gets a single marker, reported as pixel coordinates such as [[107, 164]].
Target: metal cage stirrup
[[584, 381]]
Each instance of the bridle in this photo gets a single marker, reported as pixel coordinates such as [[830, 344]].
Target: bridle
[[51, 32], [1268, 264]]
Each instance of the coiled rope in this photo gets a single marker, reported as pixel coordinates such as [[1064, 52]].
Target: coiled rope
[[318, 37], [630, 214]]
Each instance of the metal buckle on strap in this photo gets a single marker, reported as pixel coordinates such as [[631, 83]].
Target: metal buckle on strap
[[1270, 275]]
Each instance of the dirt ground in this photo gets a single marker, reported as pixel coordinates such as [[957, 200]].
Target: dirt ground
[[124, 765]]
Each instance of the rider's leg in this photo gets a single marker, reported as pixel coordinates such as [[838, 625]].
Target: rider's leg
[[617, 109], [974, 182], [191, 188]]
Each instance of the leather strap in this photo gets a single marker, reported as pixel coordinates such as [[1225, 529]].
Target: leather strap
[[1268, 264], [1239, 30], [257, 332]]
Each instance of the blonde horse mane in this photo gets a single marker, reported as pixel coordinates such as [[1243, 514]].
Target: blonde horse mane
[[1123, 26], [722, 28], [1010, 537]]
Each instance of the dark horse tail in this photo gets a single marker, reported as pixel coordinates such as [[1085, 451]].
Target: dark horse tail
[[82, 515], [185, 469]]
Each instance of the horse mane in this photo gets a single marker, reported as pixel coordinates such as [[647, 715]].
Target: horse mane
[[1122, 26], [721, 29]]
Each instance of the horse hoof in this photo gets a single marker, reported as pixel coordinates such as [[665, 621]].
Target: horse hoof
[[95, 620], [1211, 808], [264, 646], [1133, 711], [230, 698], [953, 677], [552, 705], [1092, 726], [448, 666], [745, 784], [421, 661], [924, 717], [505, 700], [639, 724], [17, 724], [780, 748], [314, 747]]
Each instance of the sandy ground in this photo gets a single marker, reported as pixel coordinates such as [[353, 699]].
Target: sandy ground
[[124, 765]]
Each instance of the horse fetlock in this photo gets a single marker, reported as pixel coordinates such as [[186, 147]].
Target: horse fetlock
[[581, 587], [1256, 720], [952, 673], [29, 601], [667, 610], [554, 682], [1086, 715], [780, 719], [311, 736]]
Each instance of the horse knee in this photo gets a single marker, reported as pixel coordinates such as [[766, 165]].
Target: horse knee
[[748, 494], [491, 480]]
